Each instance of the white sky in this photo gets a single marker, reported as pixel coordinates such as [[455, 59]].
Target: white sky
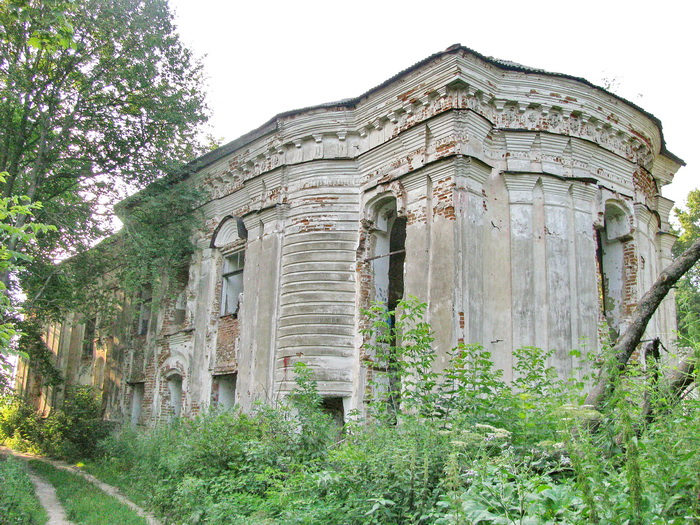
[[264, 57]]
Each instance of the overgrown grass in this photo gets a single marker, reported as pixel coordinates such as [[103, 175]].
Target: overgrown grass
[[18, 503], [84, 502]]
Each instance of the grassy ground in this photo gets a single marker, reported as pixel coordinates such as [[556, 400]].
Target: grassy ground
[[106, 472], [18, 503], [85, 503]]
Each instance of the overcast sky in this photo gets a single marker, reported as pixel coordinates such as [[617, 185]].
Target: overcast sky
[[264, 57]]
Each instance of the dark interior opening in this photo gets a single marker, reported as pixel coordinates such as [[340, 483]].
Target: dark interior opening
[[333, 406], [397, 247]]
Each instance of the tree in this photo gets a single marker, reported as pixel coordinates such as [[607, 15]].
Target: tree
[[97, 98], [688, 288], [626, 344], [10, 208]]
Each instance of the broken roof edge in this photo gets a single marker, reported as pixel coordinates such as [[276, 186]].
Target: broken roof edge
[[271, 125]]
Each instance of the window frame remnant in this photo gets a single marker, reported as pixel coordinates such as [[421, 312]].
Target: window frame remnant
[[232, 282]]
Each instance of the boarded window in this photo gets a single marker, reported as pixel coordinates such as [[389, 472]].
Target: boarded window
[[232, 283]]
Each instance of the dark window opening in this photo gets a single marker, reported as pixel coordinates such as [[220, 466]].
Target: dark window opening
[[397, 250], [388, 261], [333, 406]]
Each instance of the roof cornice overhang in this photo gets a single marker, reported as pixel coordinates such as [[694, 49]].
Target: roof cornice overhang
[[273, 124]]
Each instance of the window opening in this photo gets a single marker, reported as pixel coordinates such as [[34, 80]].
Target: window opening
[[89, 338], [136, 402], [175, 389], [145, 311], [225, 390], [397, 256], [180, 308], [333, 406], [388, 260], [611, 246], [232, 285]]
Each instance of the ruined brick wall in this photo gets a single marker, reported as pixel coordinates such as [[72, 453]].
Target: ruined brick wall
[[227, 338]]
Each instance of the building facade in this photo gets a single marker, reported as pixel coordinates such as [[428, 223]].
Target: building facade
[[523, 206]]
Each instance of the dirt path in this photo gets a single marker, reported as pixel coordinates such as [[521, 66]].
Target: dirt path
[[109, 489], [48, 499]]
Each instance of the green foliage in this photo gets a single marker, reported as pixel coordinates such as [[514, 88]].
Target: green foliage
[[20, 426], [473, 450], [69, 432], [18, 504], [688, 287], [97, 99], [400, 344], [472, 387], [11, 208], [83, 501]]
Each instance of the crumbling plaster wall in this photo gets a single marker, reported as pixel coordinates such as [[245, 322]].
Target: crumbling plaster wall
[[502, 176]]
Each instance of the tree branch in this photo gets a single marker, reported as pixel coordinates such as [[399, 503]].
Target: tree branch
[[626, 344]]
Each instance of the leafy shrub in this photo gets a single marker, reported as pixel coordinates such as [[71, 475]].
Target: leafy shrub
[[222, 464], [20, 427], [70, 432], [457, 447]]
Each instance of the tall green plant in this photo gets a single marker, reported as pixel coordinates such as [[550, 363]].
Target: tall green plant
[[688, 287], [402, 356]]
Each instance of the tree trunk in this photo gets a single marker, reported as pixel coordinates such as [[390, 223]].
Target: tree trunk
[[674, 385], [626, 344]]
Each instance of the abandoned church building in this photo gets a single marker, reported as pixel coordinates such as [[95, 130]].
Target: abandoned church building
[[523, 206]]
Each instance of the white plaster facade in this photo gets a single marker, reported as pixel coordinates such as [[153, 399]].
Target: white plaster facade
[[530, 204]]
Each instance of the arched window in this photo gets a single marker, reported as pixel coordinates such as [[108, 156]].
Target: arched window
[[232, 282], [389, 254], [230, 235], [611, 260]]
